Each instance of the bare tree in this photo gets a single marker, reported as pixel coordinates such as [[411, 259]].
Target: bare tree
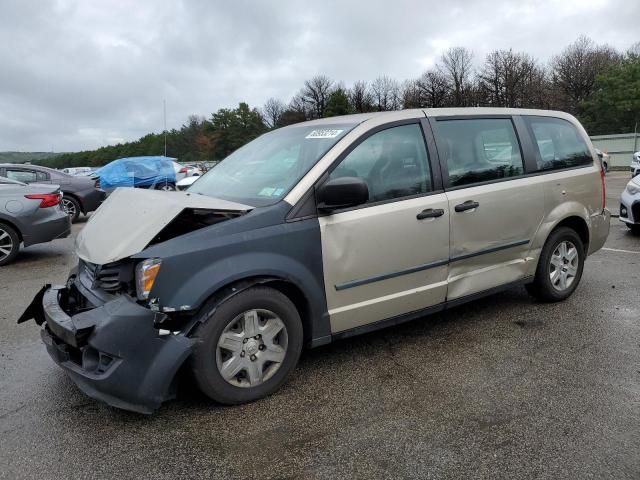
[[272, 111], [576, 68], [410, 94], [316, 93], [510, 79], [360, 97], [456, 66], [433, 88], [386, 94]]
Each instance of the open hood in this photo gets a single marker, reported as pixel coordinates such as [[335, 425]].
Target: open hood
[[131, 218]]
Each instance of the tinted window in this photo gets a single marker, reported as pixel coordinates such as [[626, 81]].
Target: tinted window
[[393, 162], [559, 143], [21, 175], [41, 176], [478, 150]]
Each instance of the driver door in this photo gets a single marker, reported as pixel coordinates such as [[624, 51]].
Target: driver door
[[389, 256]]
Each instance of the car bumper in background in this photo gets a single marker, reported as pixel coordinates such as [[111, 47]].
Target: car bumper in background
[[91, 200], [600, 225], [51, 223], [112, 352], [629, 208]]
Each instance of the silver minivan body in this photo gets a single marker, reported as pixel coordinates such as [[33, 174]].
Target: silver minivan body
[[316, 232]]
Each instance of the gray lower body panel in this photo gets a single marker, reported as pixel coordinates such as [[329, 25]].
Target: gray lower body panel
[[113, 352]]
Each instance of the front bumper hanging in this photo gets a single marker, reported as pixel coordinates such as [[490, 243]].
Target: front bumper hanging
[[112, 352]]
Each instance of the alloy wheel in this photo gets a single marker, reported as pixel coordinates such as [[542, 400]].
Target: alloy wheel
[[251, 348], [563, 266], [69, 207], [6, 244]]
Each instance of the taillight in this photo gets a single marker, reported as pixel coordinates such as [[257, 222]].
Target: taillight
[[97, 184], [604, 188], [47, 199], [183, 170]]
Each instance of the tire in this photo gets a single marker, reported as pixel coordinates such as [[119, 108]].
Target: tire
[[635, 228], [167, 187], [9, 244], [543, 288], [233, 318], [71, 207]]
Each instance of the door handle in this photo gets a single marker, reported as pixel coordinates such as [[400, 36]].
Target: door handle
[[430, 213], [468, 205]]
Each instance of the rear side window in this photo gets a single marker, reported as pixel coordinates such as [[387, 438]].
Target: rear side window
[[393, 162], [24, 176], [559, 143], [479, 150]]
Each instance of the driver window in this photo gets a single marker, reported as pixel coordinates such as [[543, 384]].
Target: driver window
[[393, 162]]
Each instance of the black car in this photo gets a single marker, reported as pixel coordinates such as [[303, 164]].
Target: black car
[[81, 194]]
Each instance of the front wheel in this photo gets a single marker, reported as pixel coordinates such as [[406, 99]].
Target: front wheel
[[559, 267], [247, 346]]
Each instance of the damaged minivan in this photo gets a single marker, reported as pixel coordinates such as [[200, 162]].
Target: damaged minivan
[[316, 232]]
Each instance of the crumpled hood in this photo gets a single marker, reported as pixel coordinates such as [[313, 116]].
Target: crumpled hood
[[130, 218]]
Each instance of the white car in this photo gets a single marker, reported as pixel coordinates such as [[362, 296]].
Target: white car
[[604, 158], [193, 170], [181, 171], [186, 182], [635, 164], [630, 205]]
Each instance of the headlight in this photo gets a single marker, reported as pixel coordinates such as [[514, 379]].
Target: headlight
[[633, 188], [146, 273]]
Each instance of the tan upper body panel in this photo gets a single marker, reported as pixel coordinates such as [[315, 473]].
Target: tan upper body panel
[[368, 121]]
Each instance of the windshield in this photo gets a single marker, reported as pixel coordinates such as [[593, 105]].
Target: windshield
[[264, 170]]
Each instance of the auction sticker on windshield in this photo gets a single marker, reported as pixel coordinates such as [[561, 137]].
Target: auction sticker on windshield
[[324, 133]]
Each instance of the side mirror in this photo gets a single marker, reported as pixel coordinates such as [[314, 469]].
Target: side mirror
[[342, 192]]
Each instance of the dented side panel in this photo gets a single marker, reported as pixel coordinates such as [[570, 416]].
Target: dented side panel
[[381, 261]]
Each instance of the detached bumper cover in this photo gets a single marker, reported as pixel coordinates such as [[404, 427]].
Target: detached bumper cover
[[112, 352]]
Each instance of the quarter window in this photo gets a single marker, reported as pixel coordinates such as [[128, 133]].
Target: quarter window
[[479, 150], [393, 162], [24, 176], [559, 143]]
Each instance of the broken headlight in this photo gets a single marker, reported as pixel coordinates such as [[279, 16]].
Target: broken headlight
[[146, 273]]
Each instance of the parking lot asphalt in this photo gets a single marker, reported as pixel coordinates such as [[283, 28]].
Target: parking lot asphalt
[[501, 388]]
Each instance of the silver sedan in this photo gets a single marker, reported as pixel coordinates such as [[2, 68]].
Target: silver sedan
[[29, 214]]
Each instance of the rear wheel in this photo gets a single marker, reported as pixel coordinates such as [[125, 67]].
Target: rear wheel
[[71, 207], [167, 187], [559, 267], [247, 346], [9, 244]]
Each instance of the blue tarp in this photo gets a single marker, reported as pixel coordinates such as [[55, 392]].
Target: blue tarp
[[137, 172]]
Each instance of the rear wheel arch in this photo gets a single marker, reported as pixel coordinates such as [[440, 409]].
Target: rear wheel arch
[[13, 226], [75, 197], [577, 224]]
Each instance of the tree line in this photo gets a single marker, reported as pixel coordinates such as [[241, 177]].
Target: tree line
[[596, 83]]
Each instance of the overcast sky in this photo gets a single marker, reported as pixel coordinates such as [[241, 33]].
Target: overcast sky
[[81, 74]]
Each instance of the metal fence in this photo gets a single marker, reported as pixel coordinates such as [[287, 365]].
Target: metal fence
[[620, 147]]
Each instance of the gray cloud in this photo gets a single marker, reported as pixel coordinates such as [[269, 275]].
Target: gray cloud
[[78, 75]]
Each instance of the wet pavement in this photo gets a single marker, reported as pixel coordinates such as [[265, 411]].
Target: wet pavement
[[500, 388]]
